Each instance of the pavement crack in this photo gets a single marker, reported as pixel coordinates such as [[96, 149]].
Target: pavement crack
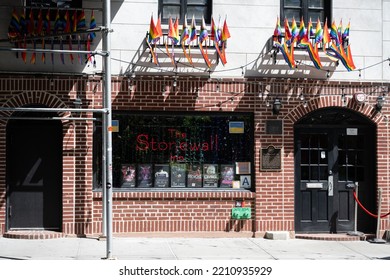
[[261, 248], [171, 250]]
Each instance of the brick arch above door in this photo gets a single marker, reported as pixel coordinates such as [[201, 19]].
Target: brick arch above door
[[366, 109], [28, 98]]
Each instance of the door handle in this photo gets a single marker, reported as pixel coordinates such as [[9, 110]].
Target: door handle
[[9, 211], [330, 184]]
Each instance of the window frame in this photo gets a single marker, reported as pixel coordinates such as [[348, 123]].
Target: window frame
[[74, 4], [183, 10], [304, 11], [244, 156]]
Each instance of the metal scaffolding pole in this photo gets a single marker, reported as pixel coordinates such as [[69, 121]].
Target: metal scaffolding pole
[[104, 173], [108, 120], [107, 178], [51, 110]]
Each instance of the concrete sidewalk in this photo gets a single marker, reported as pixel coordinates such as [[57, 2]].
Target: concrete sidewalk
[[141, 248]]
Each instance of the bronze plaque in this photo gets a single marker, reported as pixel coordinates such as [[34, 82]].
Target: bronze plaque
[[274, 127], [271, 158]]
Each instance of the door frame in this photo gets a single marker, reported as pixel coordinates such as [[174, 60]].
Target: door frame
[[37, 120], [346, 118]]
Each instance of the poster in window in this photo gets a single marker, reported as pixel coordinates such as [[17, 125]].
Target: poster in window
[[227, 176], [161, 176], [178, 175], [194, 176], [210, 175], [128, 176], [243, 168], [144, 175]]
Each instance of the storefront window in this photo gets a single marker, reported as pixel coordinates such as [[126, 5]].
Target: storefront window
[[181, 151]]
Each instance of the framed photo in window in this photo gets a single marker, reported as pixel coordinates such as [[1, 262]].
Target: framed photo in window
[[227, 176], [161, 175], [128, 176], [210, 175], [194, 176], [178, 175], [243, 168], [144, 176]]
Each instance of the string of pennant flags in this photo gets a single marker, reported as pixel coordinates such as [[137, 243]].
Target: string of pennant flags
[[335, 42], [187, 37], [26, 29]]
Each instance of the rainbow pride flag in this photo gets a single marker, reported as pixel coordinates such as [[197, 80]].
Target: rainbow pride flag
[[288, 55], [203, 35], [344, 56], [313, 53], [319, 33], [277, 31], [155, 31], [287, 32]]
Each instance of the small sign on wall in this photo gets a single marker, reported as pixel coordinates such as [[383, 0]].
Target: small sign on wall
[[245, 181], [352, 131], [241, 213], [114, 126]]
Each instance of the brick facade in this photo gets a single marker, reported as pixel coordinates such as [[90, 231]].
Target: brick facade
[[272, 202]]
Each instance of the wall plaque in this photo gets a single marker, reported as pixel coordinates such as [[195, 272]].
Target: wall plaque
[[271, 158], [274, 127]]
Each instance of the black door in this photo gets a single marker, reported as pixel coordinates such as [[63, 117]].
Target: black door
[[34, 174], [329, 160]]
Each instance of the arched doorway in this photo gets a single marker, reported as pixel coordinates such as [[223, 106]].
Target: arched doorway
[[34, 172], [335, 148]]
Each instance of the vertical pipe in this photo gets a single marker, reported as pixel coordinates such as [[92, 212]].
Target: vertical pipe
[[356, 208], [378, 225], [104, 173], [103, 170], [107, 96]]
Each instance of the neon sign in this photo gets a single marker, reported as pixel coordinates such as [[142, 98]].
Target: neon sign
[[145, 142]]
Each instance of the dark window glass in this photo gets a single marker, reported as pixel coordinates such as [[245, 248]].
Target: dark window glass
[[305, 173], [314, 158], [351, 157], [305, 156], [307, 9], [51, 3], [323, 172], [180, 8]]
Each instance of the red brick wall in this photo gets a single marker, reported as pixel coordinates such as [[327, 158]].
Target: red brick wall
[[175, 211], [273, 201]]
